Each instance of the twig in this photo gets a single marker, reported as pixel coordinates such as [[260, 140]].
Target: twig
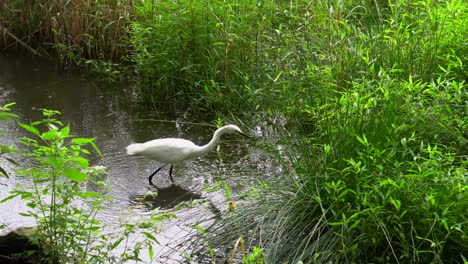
[[22, 43]]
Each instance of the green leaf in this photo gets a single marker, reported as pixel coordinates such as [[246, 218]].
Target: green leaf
[[85, 151], [355, 224], [74, 174], [90, 141], [199, 228], [116, 243], [82, 162], [29, 128], [65, 131], [49, 135], [3, 171], [89, 194], [12, 161], [150, 251], [227, 191], [96, 148], [6, 107], [25, 214], [82, 141], [5, 116], [9, 197], [335, 223], [150, 236], [327, 148], [363, 140]]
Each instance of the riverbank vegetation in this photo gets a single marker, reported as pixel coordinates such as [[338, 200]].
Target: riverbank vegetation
[[374, 102], [65, 208]]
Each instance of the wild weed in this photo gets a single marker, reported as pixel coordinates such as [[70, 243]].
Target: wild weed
[[68, 230]]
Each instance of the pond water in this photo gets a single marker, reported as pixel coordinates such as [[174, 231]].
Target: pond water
[[109, 112]]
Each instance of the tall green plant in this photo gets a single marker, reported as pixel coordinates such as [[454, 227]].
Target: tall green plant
[[68, 230]]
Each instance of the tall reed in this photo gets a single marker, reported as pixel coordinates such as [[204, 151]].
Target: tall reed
[[72, 29]]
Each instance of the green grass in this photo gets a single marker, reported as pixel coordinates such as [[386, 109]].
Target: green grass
[[385, 181], [376, 105]]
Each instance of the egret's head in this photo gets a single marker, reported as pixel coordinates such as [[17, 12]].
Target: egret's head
[[233, 129]]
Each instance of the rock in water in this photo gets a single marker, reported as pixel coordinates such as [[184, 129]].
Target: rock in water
[[15, 244]]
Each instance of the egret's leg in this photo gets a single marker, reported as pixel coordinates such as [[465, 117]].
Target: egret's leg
[[151, 176], [170, 174]]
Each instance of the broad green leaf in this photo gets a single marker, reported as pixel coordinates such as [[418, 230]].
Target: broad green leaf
[[90, 141], [65, 131], [29, 128], [85, 151], [49, 135], [74, 175], [82, 162]]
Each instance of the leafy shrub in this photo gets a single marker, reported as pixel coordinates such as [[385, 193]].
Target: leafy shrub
[[68, 230]]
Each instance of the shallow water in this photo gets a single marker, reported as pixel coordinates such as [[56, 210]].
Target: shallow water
[[109, 113]]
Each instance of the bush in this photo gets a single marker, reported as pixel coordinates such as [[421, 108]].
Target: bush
[[68, 230]]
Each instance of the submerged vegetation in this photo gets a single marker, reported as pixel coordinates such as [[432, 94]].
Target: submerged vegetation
[[374, 146]]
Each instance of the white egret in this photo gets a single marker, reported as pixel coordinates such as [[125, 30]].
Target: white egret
[[175, 150]]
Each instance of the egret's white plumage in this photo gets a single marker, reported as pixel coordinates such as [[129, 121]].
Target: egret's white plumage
[[175, 150]]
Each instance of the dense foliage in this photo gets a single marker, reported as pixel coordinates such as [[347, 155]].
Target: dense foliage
[[373, 94]]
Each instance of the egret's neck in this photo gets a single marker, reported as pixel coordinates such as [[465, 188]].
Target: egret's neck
[[214, 141]]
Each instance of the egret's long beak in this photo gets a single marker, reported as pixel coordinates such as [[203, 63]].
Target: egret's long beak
[[244, 135]]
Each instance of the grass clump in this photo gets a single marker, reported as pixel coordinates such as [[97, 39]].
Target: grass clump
[[384, 182], [375, 143]]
